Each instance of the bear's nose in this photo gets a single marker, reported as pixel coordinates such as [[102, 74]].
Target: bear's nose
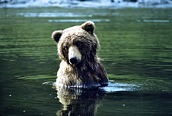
[[74, 55], [73, 60]]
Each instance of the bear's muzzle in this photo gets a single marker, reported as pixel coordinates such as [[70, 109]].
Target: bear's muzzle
[[74, 55]]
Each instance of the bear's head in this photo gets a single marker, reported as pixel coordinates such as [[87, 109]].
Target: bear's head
[[78, 44]]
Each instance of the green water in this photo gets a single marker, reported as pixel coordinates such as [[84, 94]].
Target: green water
[[136, 50]]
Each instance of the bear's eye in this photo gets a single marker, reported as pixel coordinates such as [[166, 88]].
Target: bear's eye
[[65, 48], [78, 44]]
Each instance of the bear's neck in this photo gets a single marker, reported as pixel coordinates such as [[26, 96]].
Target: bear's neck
[[86, 74], [86, 69]]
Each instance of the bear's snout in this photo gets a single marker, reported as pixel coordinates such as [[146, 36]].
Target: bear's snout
[[74, 55]]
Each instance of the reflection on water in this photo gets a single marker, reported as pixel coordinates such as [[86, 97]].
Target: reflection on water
[[79, 102], [136, 50], [85, 102]]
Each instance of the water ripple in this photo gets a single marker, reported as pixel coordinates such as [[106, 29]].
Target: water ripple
[[48, 14], [77, 20], [156, 21], [116, 87]]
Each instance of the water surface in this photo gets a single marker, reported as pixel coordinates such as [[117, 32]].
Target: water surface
[[136, 50]]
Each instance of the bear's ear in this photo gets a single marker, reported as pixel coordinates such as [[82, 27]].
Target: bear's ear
[[56, 35], [88, 26]]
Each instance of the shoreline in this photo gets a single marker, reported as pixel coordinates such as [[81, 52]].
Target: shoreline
[[87, 4]]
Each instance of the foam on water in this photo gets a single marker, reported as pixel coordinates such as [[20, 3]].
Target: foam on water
[[116, 87], [112, 87]]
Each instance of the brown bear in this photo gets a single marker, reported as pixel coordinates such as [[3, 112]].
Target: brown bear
[[80, 66]]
